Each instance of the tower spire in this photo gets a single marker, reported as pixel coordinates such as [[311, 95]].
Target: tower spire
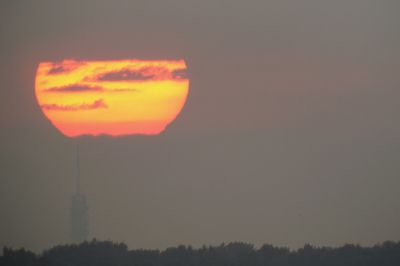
[[79, 210], [78, 173]]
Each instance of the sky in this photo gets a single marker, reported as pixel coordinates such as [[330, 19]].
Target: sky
[[289, 134]]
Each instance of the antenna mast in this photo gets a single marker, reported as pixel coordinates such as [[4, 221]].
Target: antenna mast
[[79, 210], [78, 174]]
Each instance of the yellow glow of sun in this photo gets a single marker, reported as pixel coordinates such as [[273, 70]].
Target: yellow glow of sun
[[111, 97]]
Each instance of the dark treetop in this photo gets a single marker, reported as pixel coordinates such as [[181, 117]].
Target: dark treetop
[[236, 253]]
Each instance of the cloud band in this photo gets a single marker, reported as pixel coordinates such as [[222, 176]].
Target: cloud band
[[75, 107]]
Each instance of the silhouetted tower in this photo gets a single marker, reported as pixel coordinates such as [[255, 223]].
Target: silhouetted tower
[[79, 212]]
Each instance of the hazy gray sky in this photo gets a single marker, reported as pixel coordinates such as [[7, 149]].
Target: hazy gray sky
[[289, 135]]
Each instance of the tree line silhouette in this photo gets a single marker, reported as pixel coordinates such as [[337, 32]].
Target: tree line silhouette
[[102, 253]]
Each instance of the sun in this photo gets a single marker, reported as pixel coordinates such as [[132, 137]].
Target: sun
[[111, 97]]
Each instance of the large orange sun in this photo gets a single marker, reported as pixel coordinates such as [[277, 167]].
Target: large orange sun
[[111, 97]]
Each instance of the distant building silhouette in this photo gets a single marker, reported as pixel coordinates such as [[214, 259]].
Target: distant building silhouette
[[79, 213]]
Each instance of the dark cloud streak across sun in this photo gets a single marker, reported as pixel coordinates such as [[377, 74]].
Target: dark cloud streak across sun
[[75, 88], [126, 75], [75, 107], [60, 68], [179, 74], [57, 70], [143, 74]]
